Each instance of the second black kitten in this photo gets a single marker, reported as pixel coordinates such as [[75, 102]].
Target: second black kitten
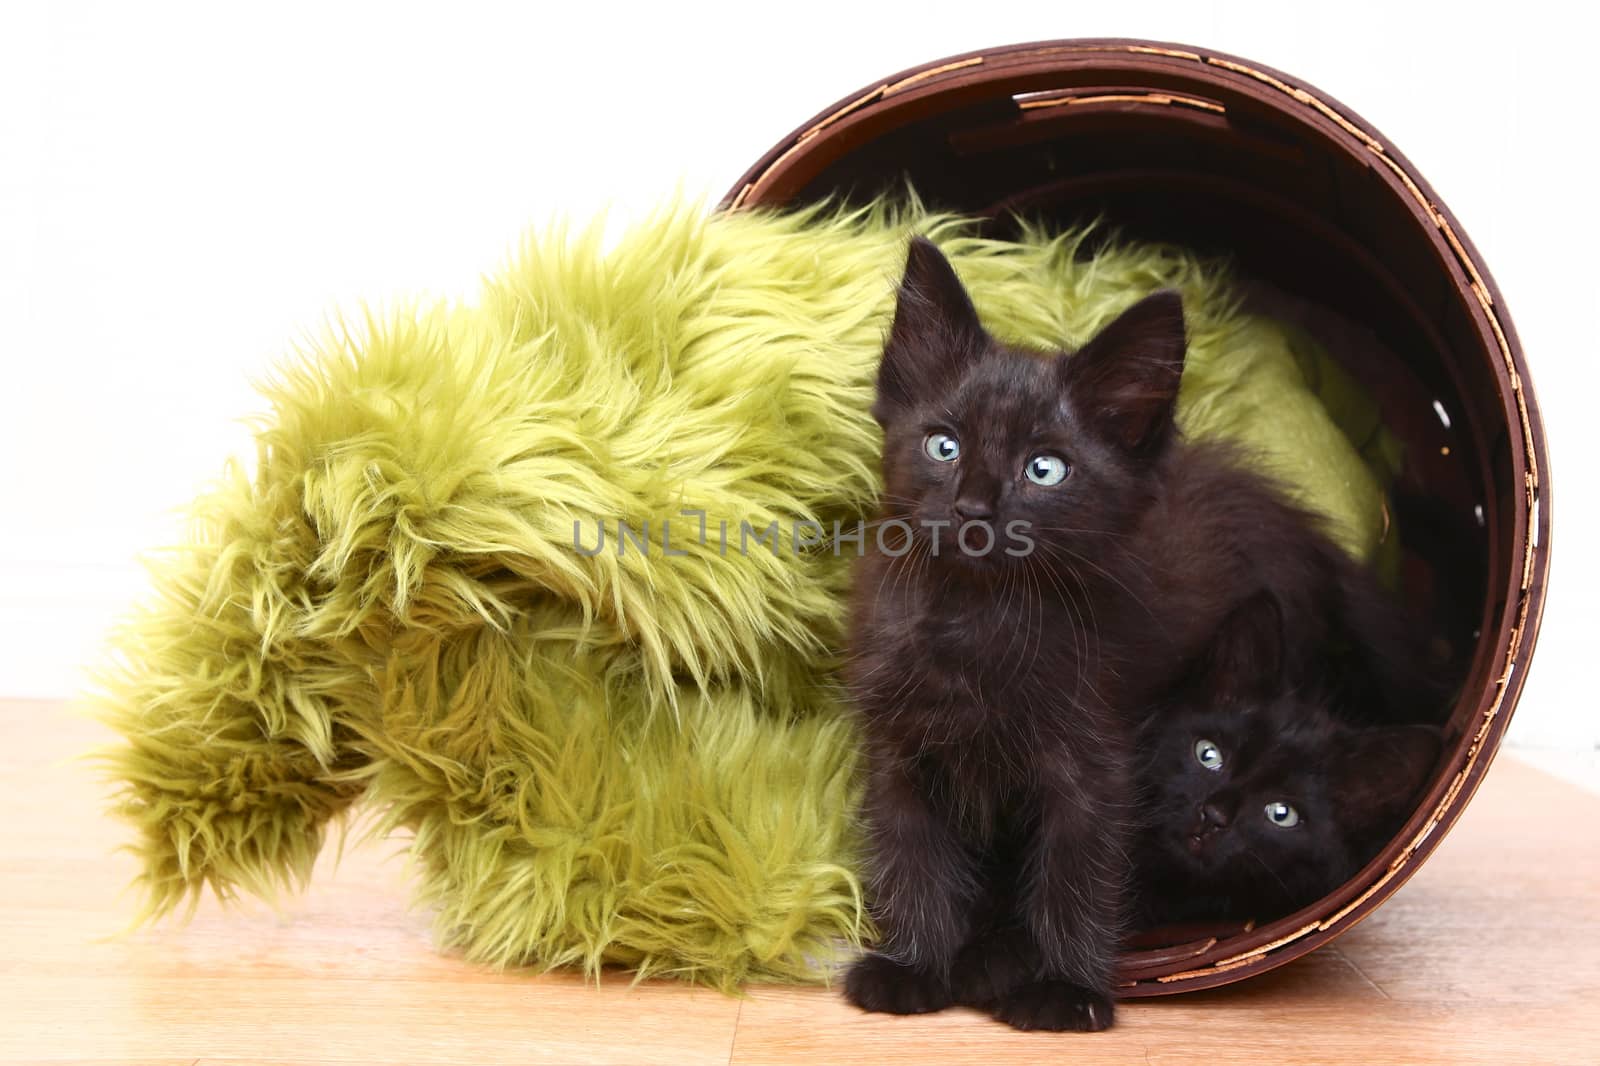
[[1255, 814], [1260, 792]]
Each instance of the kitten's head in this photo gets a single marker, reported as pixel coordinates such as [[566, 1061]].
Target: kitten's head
[[1257, 811], [976, 431]]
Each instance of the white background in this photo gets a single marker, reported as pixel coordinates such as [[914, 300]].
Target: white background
[[185, 190]]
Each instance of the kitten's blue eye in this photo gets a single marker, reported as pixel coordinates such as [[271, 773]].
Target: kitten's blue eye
[[1282, 815], [1208, 754], [941, 447], [1047, 470]]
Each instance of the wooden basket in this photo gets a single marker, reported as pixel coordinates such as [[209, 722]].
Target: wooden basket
[[1224, 155]]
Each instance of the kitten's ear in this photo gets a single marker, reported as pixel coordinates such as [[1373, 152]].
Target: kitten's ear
[[1378, 773], [1124, 382], [1243, 665], [935, 330]]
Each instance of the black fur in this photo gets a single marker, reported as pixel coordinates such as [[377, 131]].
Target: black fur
[[1207, 850], [1000, 694]]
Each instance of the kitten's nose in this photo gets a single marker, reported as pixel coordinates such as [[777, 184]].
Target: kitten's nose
[[974, 509], [1213, 816]]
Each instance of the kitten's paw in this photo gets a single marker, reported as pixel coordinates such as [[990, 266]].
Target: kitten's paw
[[989, 969], [878, 983], [1055, 1005]]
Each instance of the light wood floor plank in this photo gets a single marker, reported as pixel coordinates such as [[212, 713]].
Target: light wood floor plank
[[1491, 954]]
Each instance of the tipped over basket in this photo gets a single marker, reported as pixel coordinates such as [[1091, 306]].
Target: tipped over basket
[[1230, 157]]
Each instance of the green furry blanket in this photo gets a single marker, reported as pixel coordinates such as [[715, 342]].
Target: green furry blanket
[[610, 757]]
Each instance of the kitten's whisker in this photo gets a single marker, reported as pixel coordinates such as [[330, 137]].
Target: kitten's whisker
[[910, 675], [1011, 589], [1085, 677], [1288, 897], [1081, 650], [1137, 600], [1037, 628], [1080, 531]]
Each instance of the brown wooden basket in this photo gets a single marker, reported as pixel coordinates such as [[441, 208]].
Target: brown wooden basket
[[1229, 156]]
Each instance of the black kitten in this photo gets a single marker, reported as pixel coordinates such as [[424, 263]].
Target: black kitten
[[1050, 559], [1257, 813], [985, 629], [1258, 796]]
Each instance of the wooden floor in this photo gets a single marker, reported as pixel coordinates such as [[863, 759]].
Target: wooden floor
[[1490, 954]]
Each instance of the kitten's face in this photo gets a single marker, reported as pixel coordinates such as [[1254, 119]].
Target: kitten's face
[[1033, 447], [1237, 803], [1265, 810], [1001, 449]]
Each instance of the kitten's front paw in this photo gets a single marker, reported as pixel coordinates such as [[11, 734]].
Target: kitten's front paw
[[1055, 1005], [878, 983]]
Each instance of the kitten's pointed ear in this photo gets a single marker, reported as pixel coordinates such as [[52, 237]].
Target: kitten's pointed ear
[[935, 330], [1124, 382], [1378, 773], [1243, 665]]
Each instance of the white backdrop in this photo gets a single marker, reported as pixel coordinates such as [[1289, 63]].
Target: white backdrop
[[185, 190]]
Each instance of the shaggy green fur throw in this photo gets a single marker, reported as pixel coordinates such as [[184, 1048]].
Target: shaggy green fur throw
[[620, 756]]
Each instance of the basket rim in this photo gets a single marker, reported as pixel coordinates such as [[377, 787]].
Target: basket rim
[[1218, 959]]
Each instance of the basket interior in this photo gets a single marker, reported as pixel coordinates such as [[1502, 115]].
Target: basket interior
[[1164, 153]]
